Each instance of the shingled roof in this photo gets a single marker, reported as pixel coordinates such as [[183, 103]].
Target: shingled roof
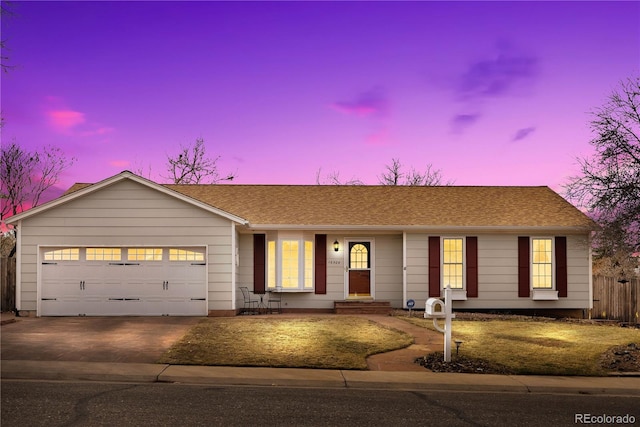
[[390, 206]]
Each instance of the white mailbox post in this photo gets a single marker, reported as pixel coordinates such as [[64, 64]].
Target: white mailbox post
[[436, 309]]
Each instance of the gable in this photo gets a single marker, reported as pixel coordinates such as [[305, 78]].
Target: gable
[[124, 203], [83, 191]]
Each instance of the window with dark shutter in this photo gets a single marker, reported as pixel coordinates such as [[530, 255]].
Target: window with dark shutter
[[561, 266], [321, 264], [434, 266], [524, 269], [259, 241], [472, 267]]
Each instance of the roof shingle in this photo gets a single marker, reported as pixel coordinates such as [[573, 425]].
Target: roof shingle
[[379, 206], [391, 205]]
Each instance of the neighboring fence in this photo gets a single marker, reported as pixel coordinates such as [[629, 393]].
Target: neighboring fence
[[616, 301], [7, 283]]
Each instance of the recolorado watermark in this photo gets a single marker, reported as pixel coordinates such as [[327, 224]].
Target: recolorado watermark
[[603, 419]]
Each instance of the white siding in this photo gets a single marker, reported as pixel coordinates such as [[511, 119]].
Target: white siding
[[388, 269], [128, 213], [498, 274]]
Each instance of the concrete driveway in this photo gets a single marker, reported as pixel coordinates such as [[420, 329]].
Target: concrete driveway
[[92, 339]]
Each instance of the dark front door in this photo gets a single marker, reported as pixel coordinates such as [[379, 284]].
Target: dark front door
[[359, 269]]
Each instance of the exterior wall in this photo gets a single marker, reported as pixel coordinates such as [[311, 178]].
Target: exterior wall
[[387, 270], [128, 213], [498, 274], [417, 268]]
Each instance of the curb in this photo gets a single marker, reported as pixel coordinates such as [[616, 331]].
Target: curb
[[289, 377]]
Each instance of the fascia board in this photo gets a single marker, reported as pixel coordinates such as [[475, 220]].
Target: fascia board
[[421, 228]]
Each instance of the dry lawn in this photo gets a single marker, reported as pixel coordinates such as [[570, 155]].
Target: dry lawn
[[331, 342], [538, 347]]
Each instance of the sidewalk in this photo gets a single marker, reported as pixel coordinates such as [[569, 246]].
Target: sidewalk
[[392, 370]]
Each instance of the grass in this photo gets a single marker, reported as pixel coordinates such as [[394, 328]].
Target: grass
[[330, 342], [538, 347]]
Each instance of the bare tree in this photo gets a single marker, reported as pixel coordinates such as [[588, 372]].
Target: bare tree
[[5, 10], [26, 176], [333, 178], [193, 166], [609, 184], [394, 175]]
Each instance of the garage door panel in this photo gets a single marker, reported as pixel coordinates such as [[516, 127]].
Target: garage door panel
[[66, 296], [122, 287]]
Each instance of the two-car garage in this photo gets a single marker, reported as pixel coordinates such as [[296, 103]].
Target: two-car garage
[[123, 281]]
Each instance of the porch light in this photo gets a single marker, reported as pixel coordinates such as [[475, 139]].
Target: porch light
[[336, 246]]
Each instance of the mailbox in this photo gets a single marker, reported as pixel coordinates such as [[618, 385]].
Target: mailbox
[[434, 308]]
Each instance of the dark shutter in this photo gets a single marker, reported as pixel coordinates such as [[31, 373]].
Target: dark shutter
[[524, 267], [561, 266], [321, 264], [472, 267], [434, 266], [259, 249]]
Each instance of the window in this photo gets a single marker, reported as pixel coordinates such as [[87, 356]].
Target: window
[[358, 257], [542, 263], [271, 264], [452, 263], [308, 264], [104, 254], [290, 263], [69, 254], [144, 254], [185, 255]]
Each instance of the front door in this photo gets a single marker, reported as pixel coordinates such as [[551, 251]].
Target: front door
[[359, 269]]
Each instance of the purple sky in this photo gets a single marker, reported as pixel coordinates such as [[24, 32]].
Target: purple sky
[[491, 93]]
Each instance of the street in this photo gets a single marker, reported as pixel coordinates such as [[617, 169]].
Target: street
[[38, 403]]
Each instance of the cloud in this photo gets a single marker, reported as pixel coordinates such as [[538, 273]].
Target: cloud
[[119, 163], [380, 137], [370, 103], [498, 76], [65, 120], [523, 133], [461, 122], [70, 122], [96, 131]]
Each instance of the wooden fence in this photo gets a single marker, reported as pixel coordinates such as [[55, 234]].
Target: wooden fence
[[7, 283], [616, 301]]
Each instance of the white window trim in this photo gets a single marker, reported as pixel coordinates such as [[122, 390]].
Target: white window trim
[[457, 294], [544, 294], [301, 238], [553, 262]]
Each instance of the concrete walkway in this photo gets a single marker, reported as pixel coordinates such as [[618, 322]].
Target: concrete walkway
[[392, 370]]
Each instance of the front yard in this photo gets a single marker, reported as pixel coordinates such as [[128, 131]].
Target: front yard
[[330, 342], [521, 346], [524, 345]]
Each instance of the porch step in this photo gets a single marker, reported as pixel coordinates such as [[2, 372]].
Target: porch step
[[362, 307]]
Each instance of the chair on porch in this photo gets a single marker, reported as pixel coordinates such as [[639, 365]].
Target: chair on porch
[[276, 300], [250, 304]]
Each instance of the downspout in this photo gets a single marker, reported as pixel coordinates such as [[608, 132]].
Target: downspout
[[234, 260], [18, 295], [590, 275], [404, 269]]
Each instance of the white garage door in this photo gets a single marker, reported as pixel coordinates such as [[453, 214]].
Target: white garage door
[[126, 281]]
